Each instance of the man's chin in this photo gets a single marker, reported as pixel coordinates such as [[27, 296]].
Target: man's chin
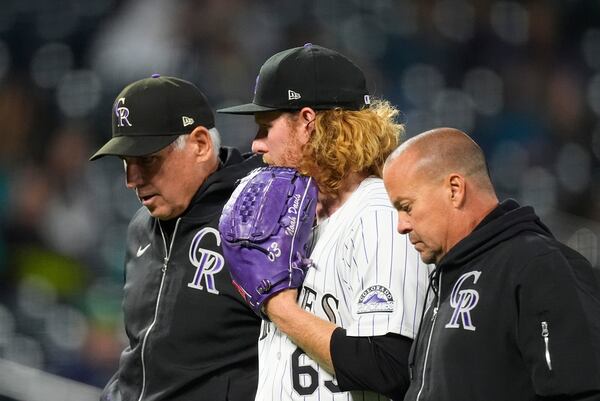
[[274, 163], [427, 258], [156, 213], [271, 162]]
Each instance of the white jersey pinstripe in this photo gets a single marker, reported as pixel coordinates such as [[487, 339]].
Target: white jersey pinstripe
[[366, 278]]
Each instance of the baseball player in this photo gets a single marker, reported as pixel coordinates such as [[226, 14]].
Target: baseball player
[[347, 334]]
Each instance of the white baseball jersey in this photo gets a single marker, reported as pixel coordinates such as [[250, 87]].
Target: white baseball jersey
[[366, 278]]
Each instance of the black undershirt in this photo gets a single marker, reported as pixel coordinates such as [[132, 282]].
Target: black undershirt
[[378, 363]]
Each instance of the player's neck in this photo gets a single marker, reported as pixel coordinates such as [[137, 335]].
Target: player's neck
[[329, 204]]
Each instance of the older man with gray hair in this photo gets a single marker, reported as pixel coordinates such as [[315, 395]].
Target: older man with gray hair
[[191, 336]]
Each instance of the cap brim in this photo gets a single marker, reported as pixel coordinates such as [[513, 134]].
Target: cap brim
[[134, 146], [248, 108]]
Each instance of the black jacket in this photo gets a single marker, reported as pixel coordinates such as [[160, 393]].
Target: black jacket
[[516, 317], [191, 336]]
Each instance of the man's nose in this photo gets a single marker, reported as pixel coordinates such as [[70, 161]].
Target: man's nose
[[133, 175], [404, 226], [259, 144]]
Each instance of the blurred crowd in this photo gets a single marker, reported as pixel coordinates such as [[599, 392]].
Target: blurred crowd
[[522, 77]]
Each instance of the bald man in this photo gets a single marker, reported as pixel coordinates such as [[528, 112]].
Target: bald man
[[512, 314]]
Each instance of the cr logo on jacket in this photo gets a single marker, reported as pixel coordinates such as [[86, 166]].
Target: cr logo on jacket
[[208, 263], [463, 301]]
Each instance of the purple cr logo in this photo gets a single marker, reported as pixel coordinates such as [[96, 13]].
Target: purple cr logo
[[207, 262]]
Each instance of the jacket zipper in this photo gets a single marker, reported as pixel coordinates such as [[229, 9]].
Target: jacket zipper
[[546, 337], [433, 319], [162, 280]]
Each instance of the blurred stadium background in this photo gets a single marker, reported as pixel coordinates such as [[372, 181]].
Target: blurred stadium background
[[523, 77]]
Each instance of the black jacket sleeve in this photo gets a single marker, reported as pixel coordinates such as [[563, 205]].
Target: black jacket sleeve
[[558, 327], [378, 364]]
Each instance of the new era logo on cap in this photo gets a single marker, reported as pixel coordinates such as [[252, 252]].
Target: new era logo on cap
[[293, 95], [187, 121]]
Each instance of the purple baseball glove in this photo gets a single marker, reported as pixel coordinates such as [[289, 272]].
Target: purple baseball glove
[[265, 227]]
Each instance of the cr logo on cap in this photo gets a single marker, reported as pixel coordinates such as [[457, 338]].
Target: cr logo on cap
[[122, 113]]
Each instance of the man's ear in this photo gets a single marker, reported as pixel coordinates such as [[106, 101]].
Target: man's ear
[[201, 142], [306, 119], [456, 189]]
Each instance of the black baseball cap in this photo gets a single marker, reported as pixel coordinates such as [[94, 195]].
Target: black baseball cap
[[151, 113], [307, 76]]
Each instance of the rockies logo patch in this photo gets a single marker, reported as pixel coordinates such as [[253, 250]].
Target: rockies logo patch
[[376, 298]]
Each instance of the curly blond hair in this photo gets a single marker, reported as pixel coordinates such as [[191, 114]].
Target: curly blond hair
[[346, 142]]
